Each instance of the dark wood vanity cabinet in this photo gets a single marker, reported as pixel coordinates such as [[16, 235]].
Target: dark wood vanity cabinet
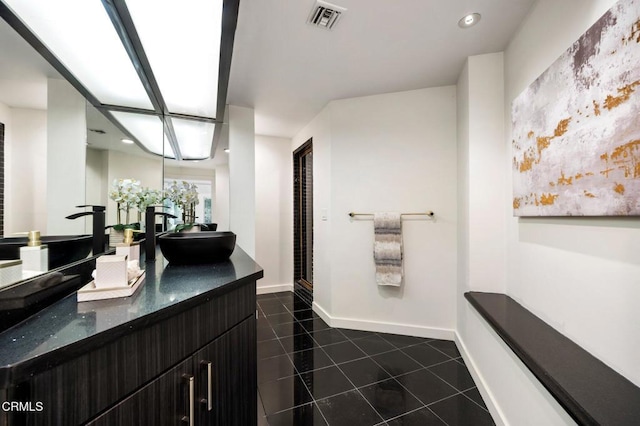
[[190, 362], [215, 386]]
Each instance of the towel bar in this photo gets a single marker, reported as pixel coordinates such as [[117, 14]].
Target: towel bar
[[428, 213]]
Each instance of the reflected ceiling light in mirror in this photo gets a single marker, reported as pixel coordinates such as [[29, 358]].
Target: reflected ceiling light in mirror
[[194, 138], [85, 41], [182, 45], [147, 129], [127, 141]]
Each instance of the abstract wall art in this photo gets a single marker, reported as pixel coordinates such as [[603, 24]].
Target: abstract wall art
[[576, 129]]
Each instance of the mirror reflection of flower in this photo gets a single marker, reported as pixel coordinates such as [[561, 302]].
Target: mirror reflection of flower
[[184, 195], [148, 197], [125, 193]]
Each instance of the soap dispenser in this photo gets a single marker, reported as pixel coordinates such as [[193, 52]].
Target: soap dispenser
[[35, 256], [128, 247]]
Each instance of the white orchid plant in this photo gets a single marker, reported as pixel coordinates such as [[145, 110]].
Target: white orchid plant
[[128, 193]]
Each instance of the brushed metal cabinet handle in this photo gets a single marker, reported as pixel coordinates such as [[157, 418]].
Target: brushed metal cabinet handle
[[188, 379], [209, 367]]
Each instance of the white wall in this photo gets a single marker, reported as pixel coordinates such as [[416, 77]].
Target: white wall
[[97, 184], [512, 394], [66, 157], [392, 152], [26, 191], [221, 208], [242, 169], [274, 213], [581, 276]]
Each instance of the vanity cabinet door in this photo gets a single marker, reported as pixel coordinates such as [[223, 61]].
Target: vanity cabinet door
[[232, 389], [164, 401]]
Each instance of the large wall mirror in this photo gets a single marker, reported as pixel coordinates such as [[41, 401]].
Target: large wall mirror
[[60, 152]]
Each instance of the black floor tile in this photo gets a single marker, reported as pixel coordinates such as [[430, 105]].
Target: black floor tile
[[348, 409], [364, 371], [269, 348], [311, 359], [446, 346], [460, 411], [390, 399], [356, 334], [474, 395], [343, 352], [326, 382], [298, 305], [425, 355], [267, 296], [455, 374], [288, 329], [304, 315], [402, 341], [315, 324], [269, 303], [426, 386], [261, 412], [299, 342], [422, 417], [265, 333], [275, 308], [396, 362], [275, 368], [282, 394], [304, 415], [296, 355], [373, 345], [328, 336], [282, 318]]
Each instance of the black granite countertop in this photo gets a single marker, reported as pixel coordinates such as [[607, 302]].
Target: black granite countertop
[[591, 392], [68, 328]]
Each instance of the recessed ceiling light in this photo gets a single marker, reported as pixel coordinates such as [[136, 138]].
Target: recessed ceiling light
[[469, 20], [226, 150], [127, 141]]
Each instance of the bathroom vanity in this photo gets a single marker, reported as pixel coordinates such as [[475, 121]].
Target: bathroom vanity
[[182, 350]]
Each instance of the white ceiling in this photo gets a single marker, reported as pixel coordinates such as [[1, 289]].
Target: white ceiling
[[288, 70]]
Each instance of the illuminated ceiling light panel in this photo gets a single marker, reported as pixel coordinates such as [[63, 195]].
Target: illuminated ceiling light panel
[[182, 45], [147, 129], [194, 138], [83, 38]]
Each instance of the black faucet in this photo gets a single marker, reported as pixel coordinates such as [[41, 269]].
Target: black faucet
[[150, 233], [98, 213]]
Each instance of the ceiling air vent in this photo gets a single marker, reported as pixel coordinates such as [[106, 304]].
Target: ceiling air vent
[[325, 15]]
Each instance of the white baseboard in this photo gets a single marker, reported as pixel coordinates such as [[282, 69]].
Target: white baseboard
[[273, 288], [384, 327], [487, 395]]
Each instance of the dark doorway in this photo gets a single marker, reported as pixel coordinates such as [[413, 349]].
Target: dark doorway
[[303, 220]]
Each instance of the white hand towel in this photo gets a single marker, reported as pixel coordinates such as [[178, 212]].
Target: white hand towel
[[387, 248]]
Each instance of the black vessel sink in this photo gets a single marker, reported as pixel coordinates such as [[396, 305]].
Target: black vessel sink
[[181, 248], [63, 249]]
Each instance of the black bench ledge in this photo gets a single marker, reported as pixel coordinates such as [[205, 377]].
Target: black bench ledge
[[590, 391]]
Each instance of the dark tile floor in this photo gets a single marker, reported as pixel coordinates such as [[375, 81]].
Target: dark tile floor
[[312, 374]]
